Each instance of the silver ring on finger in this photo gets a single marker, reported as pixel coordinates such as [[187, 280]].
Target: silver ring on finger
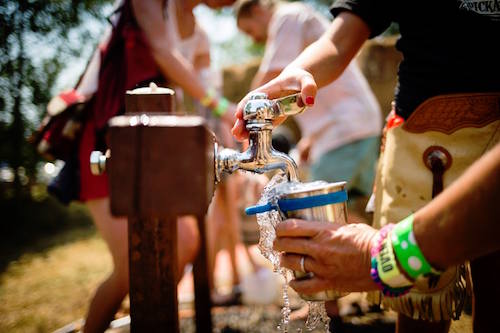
[[302, 264]]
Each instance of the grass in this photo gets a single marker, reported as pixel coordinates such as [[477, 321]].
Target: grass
[[50, 285]]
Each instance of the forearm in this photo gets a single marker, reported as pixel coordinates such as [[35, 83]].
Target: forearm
[[202, 62], [463, 222], [327, 58], [262, 78]]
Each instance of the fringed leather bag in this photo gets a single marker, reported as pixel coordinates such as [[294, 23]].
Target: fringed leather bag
[[420, 157]]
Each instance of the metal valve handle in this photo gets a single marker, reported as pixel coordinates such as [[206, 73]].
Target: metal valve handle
[[259, 108]]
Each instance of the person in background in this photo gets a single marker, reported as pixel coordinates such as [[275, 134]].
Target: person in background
[[341, 133], [445, 116], [139, 49], [223, 218]]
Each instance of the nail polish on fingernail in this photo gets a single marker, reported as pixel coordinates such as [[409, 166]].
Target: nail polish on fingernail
[[309, 100]]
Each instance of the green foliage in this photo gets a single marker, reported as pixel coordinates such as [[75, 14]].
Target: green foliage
[[37, 39], [25, 219]]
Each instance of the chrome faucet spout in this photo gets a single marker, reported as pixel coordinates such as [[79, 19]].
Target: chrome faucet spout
[[260, 157], [254, 159]]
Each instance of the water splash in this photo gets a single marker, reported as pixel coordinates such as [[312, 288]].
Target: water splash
[[317, 315], [267, 224]]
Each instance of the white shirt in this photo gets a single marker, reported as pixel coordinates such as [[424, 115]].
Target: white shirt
[[345, 110], [198, 44], [192, 46]]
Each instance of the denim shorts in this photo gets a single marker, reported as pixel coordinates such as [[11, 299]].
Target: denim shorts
[[354, 163]]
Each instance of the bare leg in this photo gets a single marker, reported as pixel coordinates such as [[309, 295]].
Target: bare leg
[[222, 232], [253, 185], [110, 293], [232, 223], [214, 231], [254, 264], [188, 242]]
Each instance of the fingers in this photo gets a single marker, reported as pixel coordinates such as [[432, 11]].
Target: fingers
[[292, 261], [317, 284], [239, 130], [290, 81], [283, 85], [308, 89], [238, 114], [301, 228], [311, 286], [295, 245], [295, 79], [230, 115]]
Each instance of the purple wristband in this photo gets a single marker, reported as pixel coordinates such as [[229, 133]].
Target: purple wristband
[[375, 250]]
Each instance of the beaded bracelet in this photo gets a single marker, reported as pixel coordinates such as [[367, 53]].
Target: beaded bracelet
[[221, 107], [388, 267], [208, 99], [375, 250], [382, 234], [407, 251], [386, 290]]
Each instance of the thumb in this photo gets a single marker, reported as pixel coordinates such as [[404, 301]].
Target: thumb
[[308, 89]]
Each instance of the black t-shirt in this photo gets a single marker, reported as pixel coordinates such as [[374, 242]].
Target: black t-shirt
[[448, 46]]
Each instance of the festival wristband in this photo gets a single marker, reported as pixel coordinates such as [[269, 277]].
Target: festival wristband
[[407, 252], [221, 107], [207, 100], [387, 266], [385, 289], [382, 234]]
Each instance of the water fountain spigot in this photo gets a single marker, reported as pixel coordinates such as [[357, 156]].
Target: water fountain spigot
[[260, 157]]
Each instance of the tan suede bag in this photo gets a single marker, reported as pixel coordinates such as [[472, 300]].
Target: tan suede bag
[[420, 157]]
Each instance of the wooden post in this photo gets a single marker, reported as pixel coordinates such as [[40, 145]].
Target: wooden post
[[153, 273], [161, 167], [202, 301]]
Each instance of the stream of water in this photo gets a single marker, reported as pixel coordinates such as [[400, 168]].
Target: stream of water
[[267, 224]]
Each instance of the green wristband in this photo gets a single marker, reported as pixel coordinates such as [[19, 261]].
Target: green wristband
[[387, 267], [221, 107], [407, 251]]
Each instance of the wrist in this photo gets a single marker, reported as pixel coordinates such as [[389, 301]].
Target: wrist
[[408, 252], [389, 269], [384, 269], [221, 107], [209, 100], [431, 246]]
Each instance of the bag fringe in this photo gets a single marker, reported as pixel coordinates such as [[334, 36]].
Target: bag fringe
[[445, 304]]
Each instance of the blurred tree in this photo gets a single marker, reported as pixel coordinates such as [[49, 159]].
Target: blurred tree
[[37, 38]]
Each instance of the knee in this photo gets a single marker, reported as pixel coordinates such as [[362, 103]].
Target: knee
[[119, 279], [121, 275]]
